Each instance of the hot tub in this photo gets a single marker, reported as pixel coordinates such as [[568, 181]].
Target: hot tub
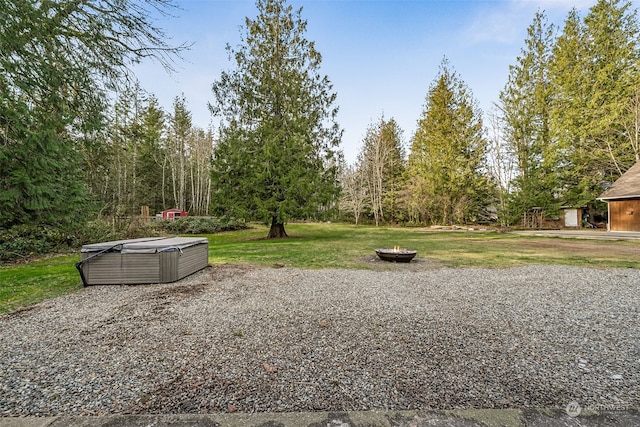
[[146, 260]]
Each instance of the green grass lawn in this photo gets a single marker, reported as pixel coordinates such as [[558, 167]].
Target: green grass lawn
[[341, 246], [22, 285], [348, 246]]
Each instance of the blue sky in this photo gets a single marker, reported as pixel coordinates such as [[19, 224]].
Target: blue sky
[[380, 55]]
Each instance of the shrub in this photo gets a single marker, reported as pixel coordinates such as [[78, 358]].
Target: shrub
[[201, 225], [27, 241], [23, 242], [98, 230]]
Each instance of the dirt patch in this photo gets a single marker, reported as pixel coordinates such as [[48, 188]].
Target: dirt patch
[[179, 292], [221, 272], [580, 247], [21, 312]]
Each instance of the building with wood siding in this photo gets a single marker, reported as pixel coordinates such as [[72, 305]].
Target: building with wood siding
[[623, 200]]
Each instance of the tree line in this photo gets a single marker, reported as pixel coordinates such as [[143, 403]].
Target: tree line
[[564, 127], [80, 138], [149, 157], [60, 63], [444, 179], [569, 109]]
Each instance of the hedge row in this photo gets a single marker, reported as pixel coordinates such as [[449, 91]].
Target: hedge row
[[27, 241], [201, 225], [24, 242]]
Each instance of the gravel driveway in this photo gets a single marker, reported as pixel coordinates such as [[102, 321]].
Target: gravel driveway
[[264, 339]]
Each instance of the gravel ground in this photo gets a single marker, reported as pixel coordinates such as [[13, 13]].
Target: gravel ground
[[245, 339]]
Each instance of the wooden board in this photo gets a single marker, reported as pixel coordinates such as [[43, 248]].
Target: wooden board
[[624, 215]]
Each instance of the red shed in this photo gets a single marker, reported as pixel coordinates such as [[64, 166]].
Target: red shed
[[172, 214]]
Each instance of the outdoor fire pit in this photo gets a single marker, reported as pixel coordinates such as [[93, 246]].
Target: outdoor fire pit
[[396, 254]]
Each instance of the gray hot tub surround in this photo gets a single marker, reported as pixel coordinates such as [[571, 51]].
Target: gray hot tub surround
[[145, 260]]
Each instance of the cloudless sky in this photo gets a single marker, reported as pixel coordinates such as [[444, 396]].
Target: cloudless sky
[[380, 55]]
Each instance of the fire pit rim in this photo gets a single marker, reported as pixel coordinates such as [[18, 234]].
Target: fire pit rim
[[396, 255]]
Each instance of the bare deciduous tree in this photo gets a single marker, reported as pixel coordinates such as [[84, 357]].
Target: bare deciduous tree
[[381, 163], [354, 191]]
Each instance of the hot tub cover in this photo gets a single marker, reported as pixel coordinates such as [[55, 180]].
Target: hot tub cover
[[145, 245], [145, 260]]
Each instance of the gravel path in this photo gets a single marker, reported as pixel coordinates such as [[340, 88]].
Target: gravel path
[[254, 340]]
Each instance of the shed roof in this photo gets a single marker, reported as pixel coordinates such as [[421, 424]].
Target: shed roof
[[626, 187]]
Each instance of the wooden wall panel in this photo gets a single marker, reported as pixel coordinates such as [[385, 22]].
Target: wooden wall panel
[[624, 215]]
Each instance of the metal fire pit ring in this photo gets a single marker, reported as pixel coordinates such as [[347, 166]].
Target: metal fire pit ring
[[396, 255]]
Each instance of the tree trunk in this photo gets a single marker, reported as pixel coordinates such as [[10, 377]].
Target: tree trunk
[[277, 229]]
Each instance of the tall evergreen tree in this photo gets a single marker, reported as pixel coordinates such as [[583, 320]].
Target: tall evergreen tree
[[178, 140], [277, 156], [613, 43], [125, 139], [150, 156], [525, 114], [570, 88], [392, 135], [447, 168], [595, 73]]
